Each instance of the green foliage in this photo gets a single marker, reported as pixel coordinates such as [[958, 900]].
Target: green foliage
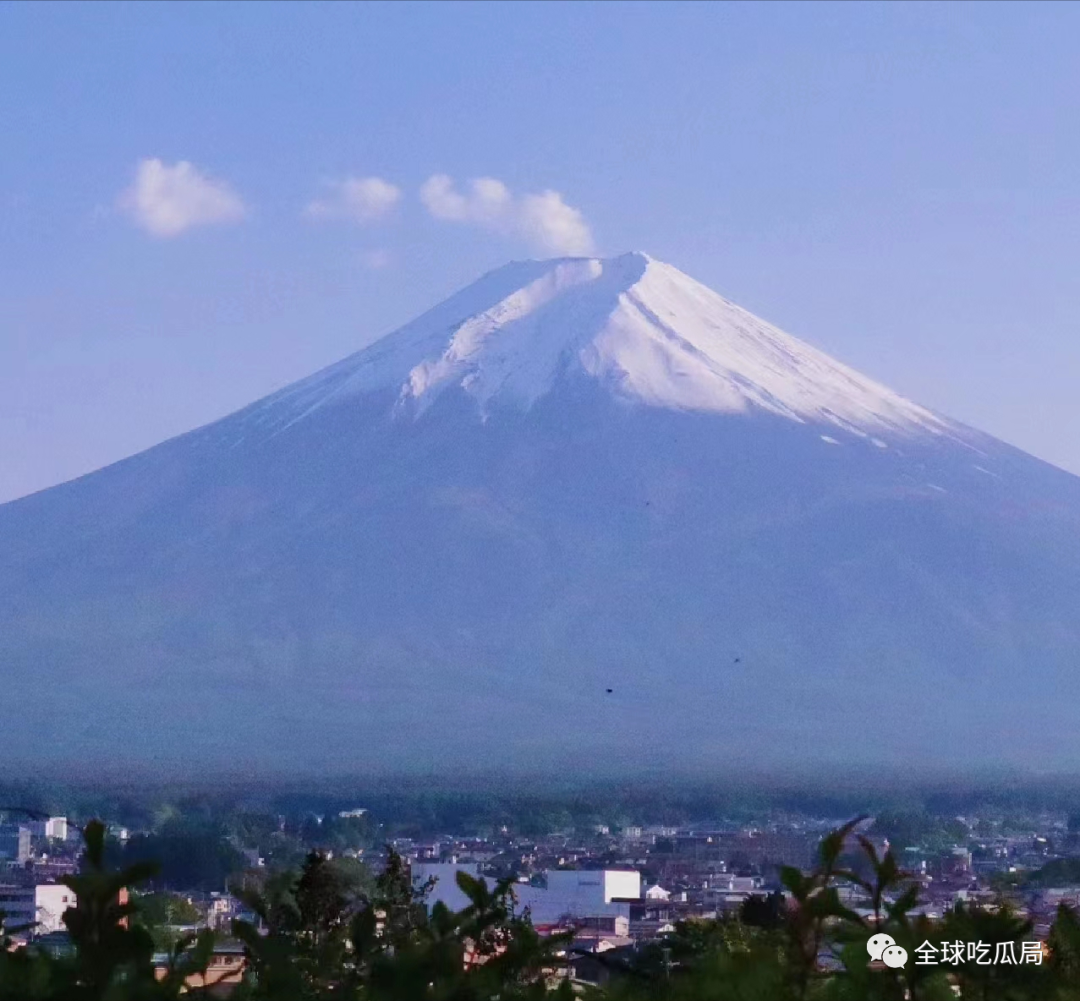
[[108, 947], [162, 910], [111, 953], [907, 828], [1064, 944], [1058, 872], [768, 912], [320, 940], [186, 855]]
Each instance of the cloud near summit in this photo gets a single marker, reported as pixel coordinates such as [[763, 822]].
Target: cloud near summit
[[166, 200], [359, 199], [544, 220]]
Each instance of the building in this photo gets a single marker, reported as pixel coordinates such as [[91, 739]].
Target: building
[[15, 842], [728, 891], [223, 975], [224, 908], [55, 828], [41, 907], [581, 895], [598, 898], [51, 869]]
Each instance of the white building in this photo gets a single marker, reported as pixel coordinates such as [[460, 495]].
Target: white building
[[575, 894], [55, 828], [726, 890], [581, 894], [41, 906], [726, 883], [661, 831]]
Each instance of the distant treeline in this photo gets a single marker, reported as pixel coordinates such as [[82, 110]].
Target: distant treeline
[[409, 805]]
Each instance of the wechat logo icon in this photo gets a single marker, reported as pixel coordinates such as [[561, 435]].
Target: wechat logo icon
[[884, 948]]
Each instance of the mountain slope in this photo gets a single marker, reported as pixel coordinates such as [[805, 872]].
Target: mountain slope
[[571, 476]]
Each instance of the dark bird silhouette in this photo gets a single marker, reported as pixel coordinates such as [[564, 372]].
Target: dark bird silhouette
[[738, 660], [609, 690]]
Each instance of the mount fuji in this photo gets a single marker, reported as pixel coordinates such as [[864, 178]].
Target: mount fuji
[[583, 514]]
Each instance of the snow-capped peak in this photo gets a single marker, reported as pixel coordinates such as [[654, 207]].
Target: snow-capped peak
[[643, 329]]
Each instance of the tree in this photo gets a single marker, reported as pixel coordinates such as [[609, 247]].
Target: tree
[[187, 855], [161, 912], [111, 956], [767, 912]]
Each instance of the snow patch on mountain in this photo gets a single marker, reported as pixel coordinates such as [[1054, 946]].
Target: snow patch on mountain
[[644, 330]]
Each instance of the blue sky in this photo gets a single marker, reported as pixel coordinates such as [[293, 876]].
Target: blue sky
[[895, 183]]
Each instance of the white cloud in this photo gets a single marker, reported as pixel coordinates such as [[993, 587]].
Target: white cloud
[[361, 199], [553, 225], [167, 200], [488, 203], [544, 220]]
